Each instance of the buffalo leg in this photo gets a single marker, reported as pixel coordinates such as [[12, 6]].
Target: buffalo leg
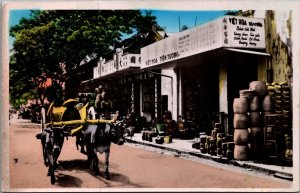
[[52, 175], [43, 141], [107, 176], [50, 159], [49, 152], [95, 162]]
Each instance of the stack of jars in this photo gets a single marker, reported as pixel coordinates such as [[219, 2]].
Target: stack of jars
[[240, 124], [256, 128], [281, 94], [248, 115]]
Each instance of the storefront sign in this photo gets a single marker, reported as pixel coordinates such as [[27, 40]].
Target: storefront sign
[[240, 32], [228, 31], [108, 67], [129, 60]]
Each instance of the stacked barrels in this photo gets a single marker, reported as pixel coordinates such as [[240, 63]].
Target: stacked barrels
[[248, 121], [212, 144], [281, 94], [203, 148], [288, 149], [240, 124], [260, 105], [212, 140], [286, 108]]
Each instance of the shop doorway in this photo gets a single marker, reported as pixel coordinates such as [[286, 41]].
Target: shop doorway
[[164, 103], [241, 70], [200, 95]]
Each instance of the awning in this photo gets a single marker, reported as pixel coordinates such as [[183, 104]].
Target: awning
[[247, 51]]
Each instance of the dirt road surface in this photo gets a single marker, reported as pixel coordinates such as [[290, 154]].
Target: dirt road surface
[[130, 167]]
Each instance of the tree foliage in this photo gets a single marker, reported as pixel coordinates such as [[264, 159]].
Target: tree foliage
[[50, 39]]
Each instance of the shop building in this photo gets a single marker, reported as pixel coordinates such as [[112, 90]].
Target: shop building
[[194, 73], [199, 71], [120, 78], [208, 65]]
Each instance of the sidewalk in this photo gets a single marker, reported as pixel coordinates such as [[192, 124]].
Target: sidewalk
[[185, 147]]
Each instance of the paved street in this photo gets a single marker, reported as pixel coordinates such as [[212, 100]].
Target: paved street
[[131, 166]]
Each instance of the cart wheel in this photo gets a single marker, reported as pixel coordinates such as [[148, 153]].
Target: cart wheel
[[43, 119]]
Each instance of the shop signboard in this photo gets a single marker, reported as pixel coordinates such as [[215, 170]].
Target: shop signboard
[[108, 68], [228, 31], [243, 32], [129, 60]]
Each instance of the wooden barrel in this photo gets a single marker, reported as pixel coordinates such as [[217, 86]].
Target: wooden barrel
[[241, 136], [267, 103], [147, 136], [150, 136], [288, 155], [240, 121], [255, 119], [203, 138], [255, 151], [207, 143], [143, 135], [259, 87], [241, 152], [240, 105], [256, 135], [220, 140], [255, 104]]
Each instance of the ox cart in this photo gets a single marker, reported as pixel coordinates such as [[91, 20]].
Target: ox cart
[[54, 116], [72, 119]]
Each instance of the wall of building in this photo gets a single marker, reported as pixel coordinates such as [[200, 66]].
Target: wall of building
[[279, 45], [169, 88], [223, 95]]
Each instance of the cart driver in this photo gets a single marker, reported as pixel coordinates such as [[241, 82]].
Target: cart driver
[[71, 113]]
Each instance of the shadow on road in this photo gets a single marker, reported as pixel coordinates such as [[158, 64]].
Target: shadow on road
[[81, 165], [64, 180]]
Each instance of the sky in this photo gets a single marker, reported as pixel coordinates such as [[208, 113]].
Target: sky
[[169, 20]]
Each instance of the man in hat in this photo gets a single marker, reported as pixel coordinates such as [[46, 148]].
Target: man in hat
[[71, 113], [98, 100]]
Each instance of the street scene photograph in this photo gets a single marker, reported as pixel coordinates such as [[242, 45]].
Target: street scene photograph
[[118, 97]]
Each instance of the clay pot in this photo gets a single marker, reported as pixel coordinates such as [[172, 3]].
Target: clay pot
[[241, 152], [247, 94], [259, 87], [267, 103], [240, 105], [255, 104], [241, 136], [240, 121], [255, 119]]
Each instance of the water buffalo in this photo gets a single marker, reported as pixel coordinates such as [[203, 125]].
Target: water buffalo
[[98, 138], [52, 139]]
